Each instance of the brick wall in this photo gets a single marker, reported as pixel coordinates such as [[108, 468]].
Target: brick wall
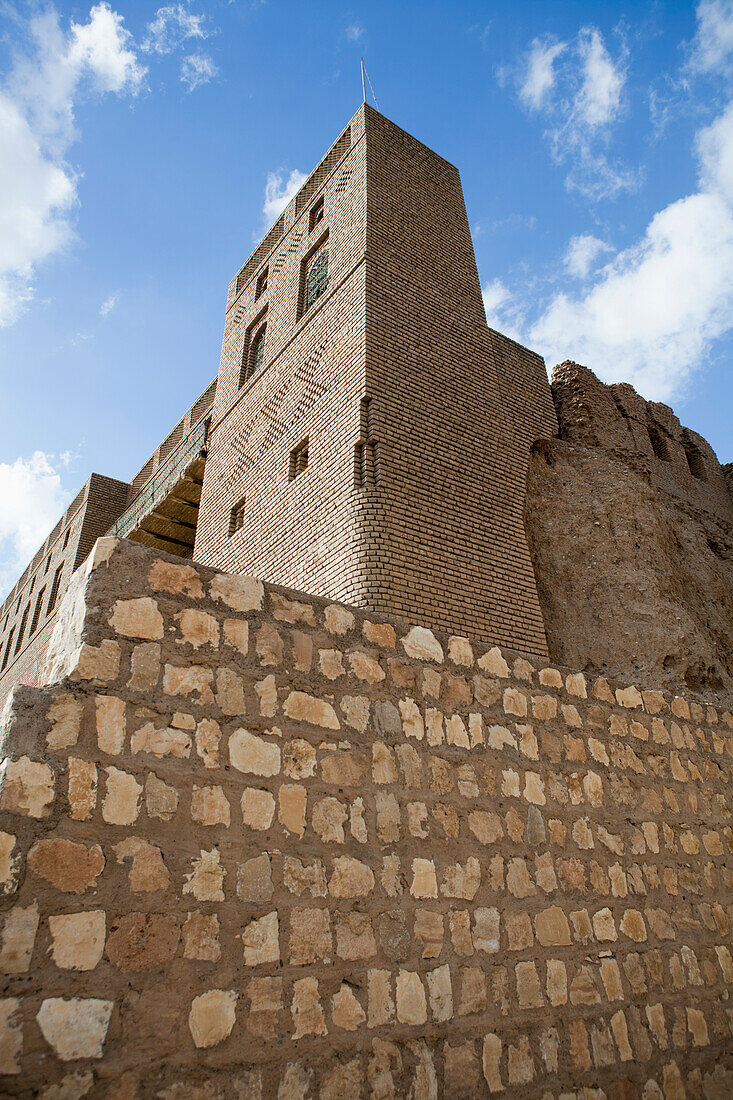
[[258, 844], [419, 418]]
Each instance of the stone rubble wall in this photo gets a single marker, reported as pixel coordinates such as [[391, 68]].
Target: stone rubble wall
[[256, 844]]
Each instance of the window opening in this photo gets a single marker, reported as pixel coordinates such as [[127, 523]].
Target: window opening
[[316, 215], [7, 650], [298, 460], [21, 631], [54, 589], [66, 538], [236, 517], [316, 278], [261, 285], [694, 460], [659, 443], [253, 354], [36, 612]]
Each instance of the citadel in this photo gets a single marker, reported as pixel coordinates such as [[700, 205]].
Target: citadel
[[376, 738]]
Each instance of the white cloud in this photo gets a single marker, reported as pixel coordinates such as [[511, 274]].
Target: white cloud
[[600, 92], [503, 312], [582, 253], [654, 312], [170, 28], [354, 32], [539, 76], [197, 69], [713, 46], [279, 192], [31, 500], [109, 304], [37, 187], [578, 87]]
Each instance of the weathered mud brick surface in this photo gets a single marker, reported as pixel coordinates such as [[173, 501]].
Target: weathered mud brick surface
[[255, 844]]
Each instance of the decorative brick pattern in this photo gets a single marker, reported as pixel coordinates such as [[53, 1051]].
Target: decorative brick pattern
[[342, 853]]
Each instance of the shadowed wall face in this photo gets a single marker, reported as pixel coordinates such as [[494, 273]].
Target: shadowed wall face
[[630, 521]]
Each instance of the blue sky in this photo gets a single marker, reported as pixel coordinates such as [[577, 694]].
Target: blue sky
[[145, 148]]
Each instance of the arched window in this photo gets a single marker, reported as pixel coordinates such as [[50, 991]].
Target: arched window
[[658, 442], [316, 278], [256, 351]]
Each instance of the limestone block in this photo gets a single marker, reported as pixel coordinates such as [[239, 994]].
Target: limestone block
[[519, 930], [534, 789], [552, 928], [725, 959], [338, 620], [351, 878], [384, 769], [238, 593], [121, 804], [138, 618], [328, 819], [604, 927], [161, 801], [301, 879], [64, 714], [515, 702], [411, 1002], [486, 827], [302, 707], [557, 983], [575, 685], [189, 680], [258, 808], [346, 1012], [424, 882], [11, 1035], [550, 677], [261, 939], [544, 707], [520, 1064], [611, 978], [148, 872], [77, 939], [161, 742], [291, 611], [380, 634], [292, 801], [208, 737], [9, 863], [460, 651], [18, 938], [486, 929], [198, 628], [422, 644], [510, 783], [82, 788], [209, 806], [110, 720], [182, 580], [491, 1063], [632, 925], [331, 663], [629, 697], [462, 881], [583, 989], [230, 692], [365, 667], [254, 880], [206, 880], [518, 880], [306, 1009], [428, 932], [144, 667], [212, 1016], [27, 787], [440, 993], [529, 991], [69, 866], [250, 753], [236, 634], [457, 734], [310, 936], [75, 1028], [354, 936], [381, 1006], [201, 937], [493, 663], [100, 663]]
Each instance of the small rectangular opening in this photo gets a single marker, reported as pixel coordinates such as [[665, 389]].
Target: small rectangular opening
[[298, 460], [262, 279], [316, 214], [236, 517]]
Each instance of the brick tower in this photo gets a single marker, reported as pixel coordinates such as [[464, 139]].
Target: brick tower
[[370, 433]]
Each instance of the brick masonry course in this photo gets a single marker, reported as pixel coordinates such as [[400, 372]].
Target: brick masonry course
[[254, 843]]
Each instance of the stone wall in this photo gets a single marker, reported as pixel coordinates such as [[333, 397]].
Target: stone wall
[[629, 518], [256, 844]]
